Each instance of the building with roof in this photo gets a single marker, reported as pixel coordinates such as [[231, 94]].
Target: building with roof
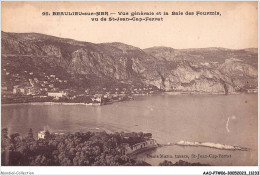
[[139, 147]]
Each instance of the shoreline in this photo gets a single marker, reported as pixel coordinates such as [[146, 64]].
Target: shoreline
[[206, 93], [135, 95], [211, 145], [49, 103]]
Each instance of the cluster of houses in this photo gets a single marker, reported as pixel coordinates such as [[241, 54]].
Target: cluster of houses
[[252, 90], [47, 83], [28, 83], [143, 90], [42, 86], [124, 90], [25, 90]]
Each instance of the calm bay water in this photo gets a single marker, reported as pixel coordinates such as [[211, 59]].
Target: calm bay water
[[170, 118]]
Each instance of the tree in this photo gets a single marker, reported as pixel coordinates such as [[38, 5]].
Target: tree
[[47, 134], [79, 149], [4, 133], [30, 133], [166, 163], [5, 140], [15, 139]]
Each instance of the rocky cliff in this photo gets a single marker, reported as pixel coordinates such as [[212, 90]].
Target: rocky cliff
[[211, 70]]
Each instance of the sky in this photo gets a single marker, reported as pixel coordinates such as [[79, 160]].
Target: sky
[[236, 28]]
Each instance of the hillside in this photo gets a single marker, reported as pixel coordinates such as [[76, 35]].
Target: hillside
[[86, 65]]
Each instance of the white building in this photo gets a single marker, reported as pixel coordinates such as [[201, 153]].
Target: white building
[[4, 88], [57, 94], [42, 134], [98, 99], [45, 134]]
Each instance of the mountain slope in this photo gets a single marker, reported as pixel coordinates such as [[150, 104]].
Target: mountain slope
[[212, 70], [209, 69]]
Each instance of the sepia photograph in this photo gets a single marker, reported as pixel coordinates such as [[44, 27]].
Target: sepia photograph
[[129, 83]]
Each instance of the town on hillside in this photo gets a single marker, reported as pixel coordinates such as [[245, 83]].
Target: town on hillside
[[29, 86]]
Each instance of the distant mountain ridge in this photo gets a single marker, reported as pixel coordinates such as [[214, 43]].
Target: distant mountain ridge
[[210, 70]]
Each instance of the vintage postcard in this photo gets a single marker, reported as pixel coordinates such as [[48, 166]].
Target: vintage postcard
[[129, 83]]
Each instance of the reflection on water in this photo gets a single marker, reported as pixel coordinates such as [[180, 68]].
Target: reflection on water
[[230, 120]]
